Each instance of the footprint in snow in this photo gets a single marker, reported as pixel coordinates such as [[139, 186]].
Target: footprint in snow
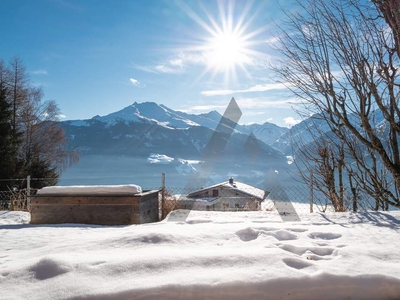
[[324, 235], [48, 268], [250, 234], [282, 235], [297, 229], [247, 234], [310, 253], [296, 263]]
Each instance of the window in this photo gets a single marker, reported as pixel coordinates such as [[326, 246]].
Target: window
[[215, 193]]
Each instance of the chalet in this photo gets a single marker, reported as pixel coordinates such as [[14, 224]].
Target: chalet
[[228, 196]]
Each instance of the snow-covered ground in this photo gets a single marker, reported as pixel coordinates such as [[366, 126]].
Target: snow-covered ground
[[210, 255]]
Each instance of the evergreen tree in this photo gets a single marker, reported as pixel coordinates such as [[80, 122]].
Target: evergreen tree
[[8, 143]]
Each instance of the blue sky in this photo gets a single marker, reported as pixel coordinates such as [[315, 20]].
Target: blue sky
[[95, 57]]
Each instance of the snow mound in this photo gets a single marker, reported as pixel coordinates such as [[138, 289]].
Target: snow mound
[[14, 217], [129, 189]]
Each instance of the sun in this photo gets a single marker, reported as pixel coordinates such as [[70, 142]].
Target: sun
[[226, 46], [226, 50]]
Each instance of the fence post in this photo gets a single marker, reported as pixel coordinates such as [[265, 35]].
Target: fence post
[[28, 191], [311, 192], [162, 194]]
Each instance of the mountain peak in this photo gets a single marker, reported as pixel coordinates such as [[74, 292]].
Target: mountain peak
[[160, 115]]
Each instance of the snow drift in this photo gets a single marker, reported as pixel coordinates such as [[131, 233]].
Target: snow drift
[[211, 255]]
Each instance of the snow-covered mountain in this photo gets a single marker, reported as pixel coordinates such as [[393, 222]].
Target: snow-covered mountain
[[145, 129], [268, 133], [302, 133], [150, 113], [313, 128]]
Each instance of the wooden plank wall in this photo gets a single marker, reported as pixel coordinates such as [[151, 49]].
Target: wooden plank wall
[[100, 210]]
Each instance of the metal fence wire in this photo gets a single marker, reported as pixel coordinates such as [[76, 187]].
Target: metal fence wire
[[15, 200], [228, 196], [278, 198]]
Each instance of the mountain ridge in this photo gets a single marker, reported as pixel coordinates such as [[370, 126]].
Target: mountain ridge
[[153, 113], [139, 132]]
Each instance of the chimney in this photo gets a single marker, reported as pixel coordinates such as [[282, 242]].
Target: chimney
[[230, 180]]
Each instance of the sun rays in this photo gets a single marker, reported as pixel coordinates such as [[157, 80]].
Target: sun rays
[[226, 47]]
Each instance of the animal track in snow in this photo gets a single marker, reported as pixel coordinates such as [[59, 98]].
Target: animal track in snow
[[324, 235]]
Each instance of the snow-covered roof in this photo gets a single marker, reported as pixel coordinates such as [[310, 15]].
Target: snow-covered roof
[[239, 186], [127, 189]]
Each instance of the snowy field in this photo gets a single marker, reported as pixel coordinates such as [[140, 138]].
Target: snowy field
[[211, 255]]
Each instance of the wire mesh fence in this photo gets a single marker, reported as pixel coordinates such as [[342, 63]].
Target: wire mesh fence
[[227, 196], [284, 199], [16, 199]]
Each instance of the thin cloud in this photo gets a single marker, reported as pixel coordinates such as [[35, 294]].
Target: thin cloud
[[167, 68], [263, 103], [257, 105], [254, 113], [135, 82], [177, 62], [181, 61], [290, 121], [202, 108], [273, 40], [256, 88], [253, 106], [40, 72], [175, 65]]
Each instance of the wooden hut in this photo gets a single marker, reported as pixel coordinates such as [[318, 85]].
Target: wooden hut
[[101, 205]]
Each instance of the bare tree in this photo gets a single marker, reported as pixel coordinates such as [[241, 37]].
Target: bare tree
[[323, 156], [40, 142], [44, 140], [390, 11], [371, 176], [343, 65]]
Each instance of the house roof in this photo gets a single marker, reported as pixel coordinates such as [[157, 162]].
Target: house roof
[[238, 186]]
